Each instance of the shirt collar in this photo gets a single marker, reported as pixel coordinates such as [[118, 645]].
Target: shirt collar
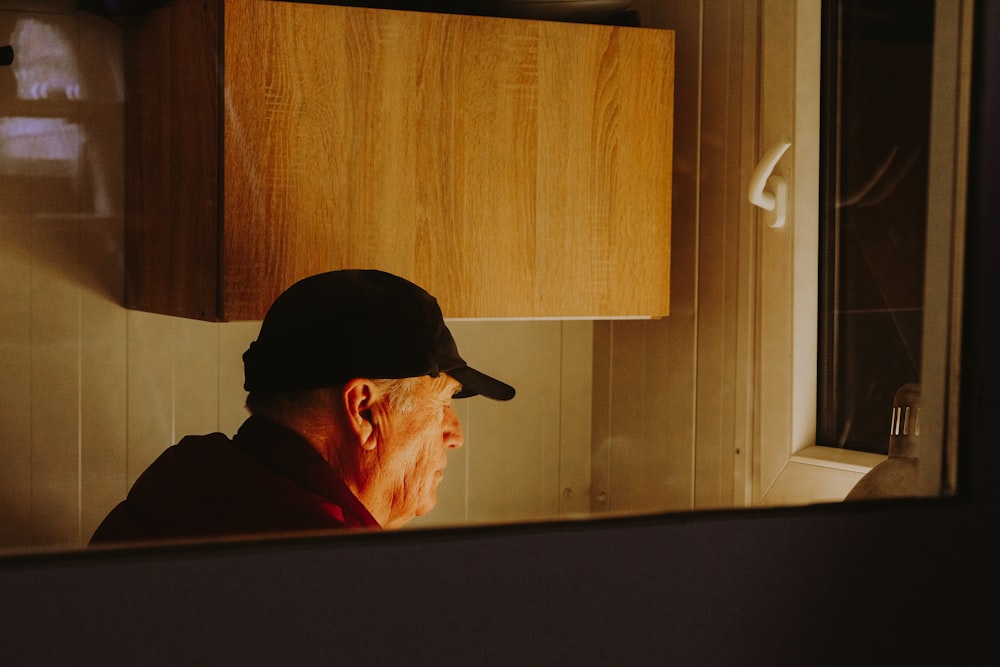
[[288, 454]]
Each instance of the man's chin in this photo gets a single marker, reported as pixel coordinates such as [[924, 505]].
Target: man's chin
[[425, 507]]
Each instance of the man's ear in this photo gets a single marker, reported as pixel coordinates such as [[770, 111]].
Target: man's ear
[[359, 394]]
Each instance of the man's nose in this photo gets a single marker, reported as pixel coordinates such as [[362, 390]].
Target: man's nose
[[453, 437]]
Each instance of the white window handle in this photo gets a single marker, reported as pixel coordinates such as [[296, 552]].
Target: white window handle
[[778, 201]]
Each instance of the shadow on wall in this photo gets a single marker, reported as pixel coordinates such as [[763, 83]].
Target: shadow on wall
[[61, 142]]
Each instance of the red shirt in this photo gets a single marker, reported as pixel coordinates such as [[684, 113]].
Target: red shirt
[[267, 479]]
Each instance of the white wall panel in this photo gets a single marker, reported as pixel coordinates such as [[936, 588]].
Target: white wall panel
[[15, 379], [55, 390], [196, 376], [103, 428]]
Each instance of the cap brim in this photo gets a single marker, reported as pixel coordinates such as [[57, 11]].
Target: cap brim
[[475, 383]]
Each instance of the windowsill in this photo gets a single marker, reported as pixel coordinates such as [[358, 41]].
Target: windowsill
[[818, 474], [841, 459]]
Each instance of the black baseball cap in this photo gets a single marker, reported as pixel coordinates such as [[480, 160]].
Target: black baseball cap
[[332, 327]]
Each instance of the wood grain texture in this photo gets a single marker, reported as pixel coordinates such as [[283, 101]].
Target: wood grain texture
[[172, 160], [513, 168]]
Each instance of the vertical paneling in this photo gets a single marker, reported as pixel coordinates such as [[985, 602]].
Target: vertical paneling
[[633, 483], [55, 385], [103, 383], [575, 423], [103, 323], [196, 377], [671, 344], [600, 458], [149, 411], [57, 192], [715, 261], [744, 390], [648, 444], [15, 379], [724, 226], [513, 447], [44, 186], [670, 408], [15, 336]]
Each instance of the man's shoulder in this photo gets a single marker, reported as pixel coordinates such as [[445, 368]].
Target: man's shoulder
[[207, 485], [210, 449], [211, 468], [196, 459]]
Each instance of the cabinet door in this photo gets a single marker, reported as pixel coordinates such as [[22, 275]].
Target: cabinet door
[[513, 168]]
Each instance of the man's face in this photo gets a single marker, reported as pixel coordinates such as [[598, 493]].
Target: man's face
[[415, 446]]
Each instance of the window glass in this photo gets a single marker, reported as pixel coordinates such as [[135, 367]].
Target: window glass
[[876, 126]]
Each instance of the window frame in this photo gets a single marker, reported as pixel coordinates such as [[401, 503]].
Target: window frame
[[789, 466]]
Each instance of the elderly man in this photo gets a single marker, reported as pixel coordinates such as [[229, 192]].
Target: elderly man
[[350, 382]]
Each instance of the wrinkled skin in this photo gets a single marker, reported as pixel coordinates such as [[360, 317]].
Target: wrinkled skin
[[404, 453]]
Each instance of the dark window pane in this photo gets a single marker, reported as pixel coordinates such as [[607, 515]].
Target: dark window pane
[[877, 72]]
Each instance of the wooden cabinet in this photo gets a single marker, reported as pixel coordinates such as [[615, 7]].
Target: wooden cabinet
[[514, 168]]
